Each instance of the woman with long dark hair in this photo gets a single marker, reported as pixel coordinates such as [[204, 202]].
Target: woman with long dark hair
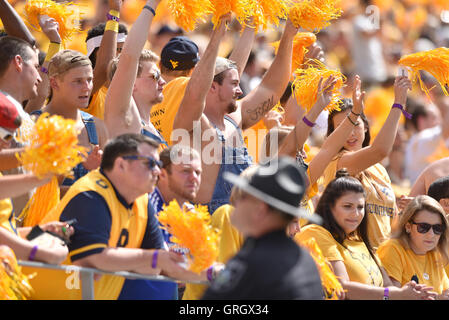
[[362, 160], [343, 239]]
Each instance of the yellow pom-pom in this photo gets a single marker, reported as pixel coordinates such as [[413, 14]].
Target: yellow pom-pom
[[301, 41], [53, 147], [435, 62], [329, 280], [314, 15], [305, 85], [191, 229], [243, 10], [66, 14], [268, 12], [187, 13], [43, 200], [14, 285]]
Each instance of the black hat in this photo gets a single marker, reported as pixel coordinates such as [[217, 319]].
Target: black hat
[[281, 183], [180, 53]]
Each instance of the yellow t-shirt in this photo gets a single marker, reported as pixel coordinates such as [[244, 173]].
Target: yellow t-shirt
[[96, 105], [402, 264], [230, 243], [7, 219], [163, 114], [380, 199], [253, 138], [359, 264], [128, 226]]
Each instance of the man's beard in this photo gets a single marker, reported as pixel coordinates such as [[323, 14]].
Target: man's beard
[[232, 107]]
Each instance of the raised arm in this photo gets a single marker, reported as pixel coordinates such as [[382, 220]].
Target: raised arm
[[106, 52], [362, 159], [296, 139], [194, 100], [242, 49], [118, 98], [263, 98], [333, 144], [50, 28], [14, 25]]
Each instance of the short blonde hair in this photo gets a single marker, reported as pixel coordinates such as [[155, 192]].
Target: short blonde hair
[[420, 203]]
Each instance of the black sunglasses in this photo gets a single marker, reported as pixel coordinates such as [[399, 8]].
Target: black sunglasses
[[423, 227], [151, 162]]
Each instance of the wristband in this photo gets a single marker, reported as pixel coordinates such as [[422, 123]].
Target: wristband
[[113, 15], [111, 25], [356, 114], [154, 260], [386, 294], [151, 9], [354, 123], [33, 253], [405, 113], [53, 49], [308, 122], [210, 273], [44, 70]]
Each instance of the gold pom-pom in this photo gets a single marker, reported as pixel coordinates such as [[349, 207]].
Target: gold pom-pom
[[243, 10], [52, 149], [187, 14], [301, 41], [329, 280], [305, 85], [191, 229], [14, 285], [314, 15], [66, 14], [435, 62], [268, 12]]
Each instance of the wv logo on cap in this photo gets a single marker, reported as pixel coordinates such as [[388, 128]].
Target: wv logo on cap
[[174, 63]]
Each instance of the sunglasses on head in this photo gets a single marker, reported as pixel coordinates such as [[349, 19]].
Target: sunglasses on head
[[150, 161], [423, 227], [6, 135]]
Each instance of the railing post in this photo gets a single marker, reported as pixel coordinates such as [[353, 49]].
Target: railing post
[[87, 284]]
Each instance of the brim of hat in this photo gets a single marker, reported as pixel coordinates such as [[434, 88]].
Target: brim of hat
[[280, 205]]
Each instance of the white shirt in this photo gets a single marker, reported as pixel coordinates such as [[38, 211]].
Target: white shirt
[[419, 148]]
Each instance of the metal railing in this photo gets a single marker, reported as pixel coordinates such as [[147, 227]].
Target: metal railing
[[87, 276]]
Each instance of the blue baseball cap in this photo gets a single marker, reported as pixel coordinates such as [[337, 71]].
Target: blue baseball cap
[[180, 53]]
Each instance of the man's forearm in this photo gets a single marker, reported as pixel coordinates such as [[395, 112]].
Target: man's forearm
[[14, 25]]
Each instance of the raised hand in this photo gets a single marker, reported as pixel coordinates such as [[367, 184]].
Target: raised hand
[[272, 119], [401, 85], [93, 160], [357, 96], [325, 90], [50, 28]]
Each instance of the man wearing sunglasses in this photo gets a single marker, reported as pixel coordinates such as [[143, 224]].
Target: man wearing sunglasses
[[179, 180], [115, 230], [136, 83]]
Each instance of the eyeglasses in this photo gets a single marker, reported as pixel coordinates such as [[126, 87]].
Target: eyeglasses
[[423, 227], [6, 135], [150, 161], [156, 75]]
